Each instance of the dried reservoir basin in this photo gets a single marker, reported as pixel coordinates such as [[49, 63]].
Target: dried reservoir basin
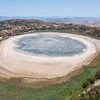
[[46, 55]]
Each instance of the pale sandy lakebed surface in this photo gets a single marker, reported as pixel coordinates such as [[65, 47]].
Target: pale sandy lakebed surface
[[19, 63]]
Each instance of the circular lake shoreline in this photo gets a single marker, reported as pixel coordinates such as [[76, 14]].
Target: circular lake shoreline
[[50, 45], [19, 63]]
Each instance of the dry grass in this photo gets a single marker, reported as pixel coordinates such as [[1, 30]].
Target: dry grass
[[96, 61]]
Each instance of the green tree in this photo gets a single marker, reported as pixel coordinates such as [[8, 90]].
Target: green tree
[[97, 76], [91, 80], [85, 84]]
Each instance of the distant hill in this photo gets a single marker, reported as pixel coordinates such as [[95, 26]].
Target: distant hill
[[14, 27], [4, 18], [90, 21]]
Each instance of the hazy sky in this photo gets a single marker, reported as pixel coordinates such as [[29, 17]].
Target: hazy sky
[[74, 8]]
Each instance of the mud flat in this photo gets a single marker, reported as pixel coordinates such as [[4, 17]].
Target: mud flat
[[16, 63]]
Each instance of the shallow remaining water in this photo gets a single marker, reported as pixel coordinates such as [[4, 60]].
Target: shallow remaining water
[[50, 45]]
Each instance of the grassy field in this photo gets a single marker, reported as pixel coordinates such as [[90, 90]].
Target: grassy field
[[65, 91]]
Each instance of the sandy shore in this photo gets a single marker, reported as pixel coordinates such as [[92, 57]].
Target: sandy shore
[[19, 64]]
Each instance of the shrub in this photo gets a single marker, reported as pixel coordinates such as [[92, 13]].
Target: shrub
[[97, 76], [91, 80], [85, 84]]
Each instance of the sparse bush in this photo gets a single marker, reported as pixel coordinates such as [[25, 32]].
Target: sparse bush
[[93, 94], [91, 80], [97, 76], [85, 84]]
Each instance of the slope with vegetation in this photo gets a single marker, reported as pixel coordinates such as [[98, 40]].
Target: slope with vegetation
[[94, 92]]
